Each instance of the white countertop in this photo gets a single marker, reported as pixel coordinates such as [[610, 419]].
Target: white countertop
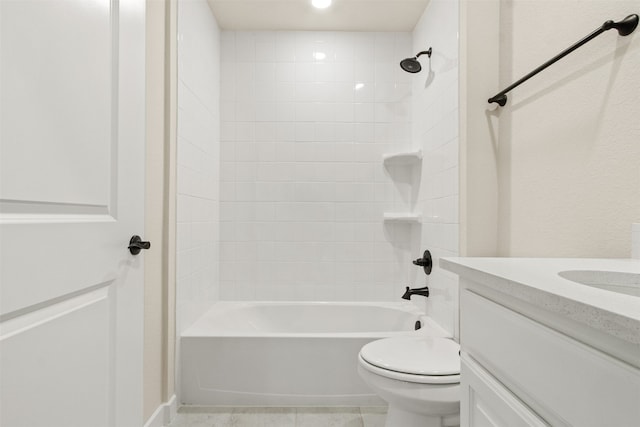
[[536, 280]]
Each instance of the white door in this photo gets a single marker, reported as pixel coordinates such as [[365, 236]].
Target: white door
[[71, 197]]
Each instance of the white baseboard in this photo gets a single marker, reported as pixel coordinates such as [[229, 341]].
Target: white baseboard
[[164, 414]]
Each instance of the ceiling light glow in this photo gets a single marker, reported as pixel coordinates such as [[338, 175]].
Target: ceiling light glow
[[319, 56], [321, 4]]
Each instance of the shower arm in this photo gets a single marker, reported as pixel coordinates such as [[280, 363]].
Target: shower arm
[[624, 27], [424, 52]]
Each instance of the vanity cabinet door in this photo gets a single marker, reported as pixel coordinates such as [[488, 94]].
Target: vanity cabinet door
[[487, 403]]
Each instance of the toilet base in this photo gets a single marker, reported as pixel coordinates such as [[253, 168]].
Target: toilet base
[[415, 404]]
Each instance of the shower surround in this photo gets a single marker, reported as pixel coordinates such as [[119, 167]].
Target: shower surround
[[306, 118], [290, 127], [198, 162], [435, 117]]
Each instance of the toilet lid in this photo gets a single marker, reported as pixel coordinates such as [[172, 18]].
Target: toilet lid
[[414, 355]]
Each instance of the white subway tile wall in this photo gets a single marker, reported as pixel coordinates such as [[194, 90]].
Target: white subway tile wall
[[306, 117], [198, 161], [435, 130], [635, 241]]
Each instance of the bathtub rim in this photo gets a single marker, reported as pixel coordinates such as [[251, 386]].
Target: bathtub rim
[[429, 326]]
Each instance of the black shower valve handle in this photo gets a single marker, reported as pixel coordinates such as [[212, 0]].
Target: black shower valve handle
[[421, 262], [426, 262]]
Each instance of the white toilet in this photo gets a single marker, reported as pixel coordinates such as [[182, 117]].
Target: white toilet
[[419, 377]]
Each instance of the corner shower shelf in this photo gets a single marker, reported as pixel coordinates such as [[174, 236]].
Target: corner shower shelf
[[403, 217], [402, 158]]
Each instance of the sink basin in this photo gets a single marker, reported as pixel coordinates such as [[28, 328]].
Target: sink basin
[[614, 281]]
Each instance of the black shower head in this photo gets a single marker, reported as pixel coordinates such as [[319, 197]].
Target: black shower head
[[412, 65]]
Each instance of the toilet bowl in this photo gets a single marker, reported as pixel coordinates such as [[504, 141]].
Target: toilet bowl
[[419, 377]]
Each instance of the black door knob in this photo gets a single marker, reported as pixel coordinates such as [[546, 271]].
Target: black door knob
[[136, 245]]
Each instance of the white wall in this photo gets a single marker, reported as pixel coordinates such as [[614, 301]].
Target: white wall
[[303, 187], [568, 153], [198, 160], [154, 304], [479, 55], [160, 208], [435, 129]]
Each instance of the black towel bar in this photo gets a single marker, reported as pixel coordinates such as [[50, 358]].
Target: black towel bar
[[624, 27]]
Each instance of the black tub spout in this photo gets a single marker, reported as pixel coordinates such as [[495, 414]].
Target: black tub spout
[[418, 291]]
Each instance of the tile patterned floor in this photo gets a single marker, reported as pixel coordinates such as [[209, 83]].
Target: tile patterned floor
[[280, 417]]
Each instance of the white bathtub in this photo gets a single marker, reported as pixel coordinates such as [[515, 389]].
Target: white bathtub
[[288, 353]]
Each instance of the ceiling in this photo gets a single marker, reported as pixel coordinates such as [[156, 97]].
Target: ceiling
[[342, 15]]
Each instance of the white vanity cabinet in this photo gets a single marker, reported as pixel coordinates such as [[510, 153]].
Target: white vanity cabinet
[[528, 361], [485, 402]]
